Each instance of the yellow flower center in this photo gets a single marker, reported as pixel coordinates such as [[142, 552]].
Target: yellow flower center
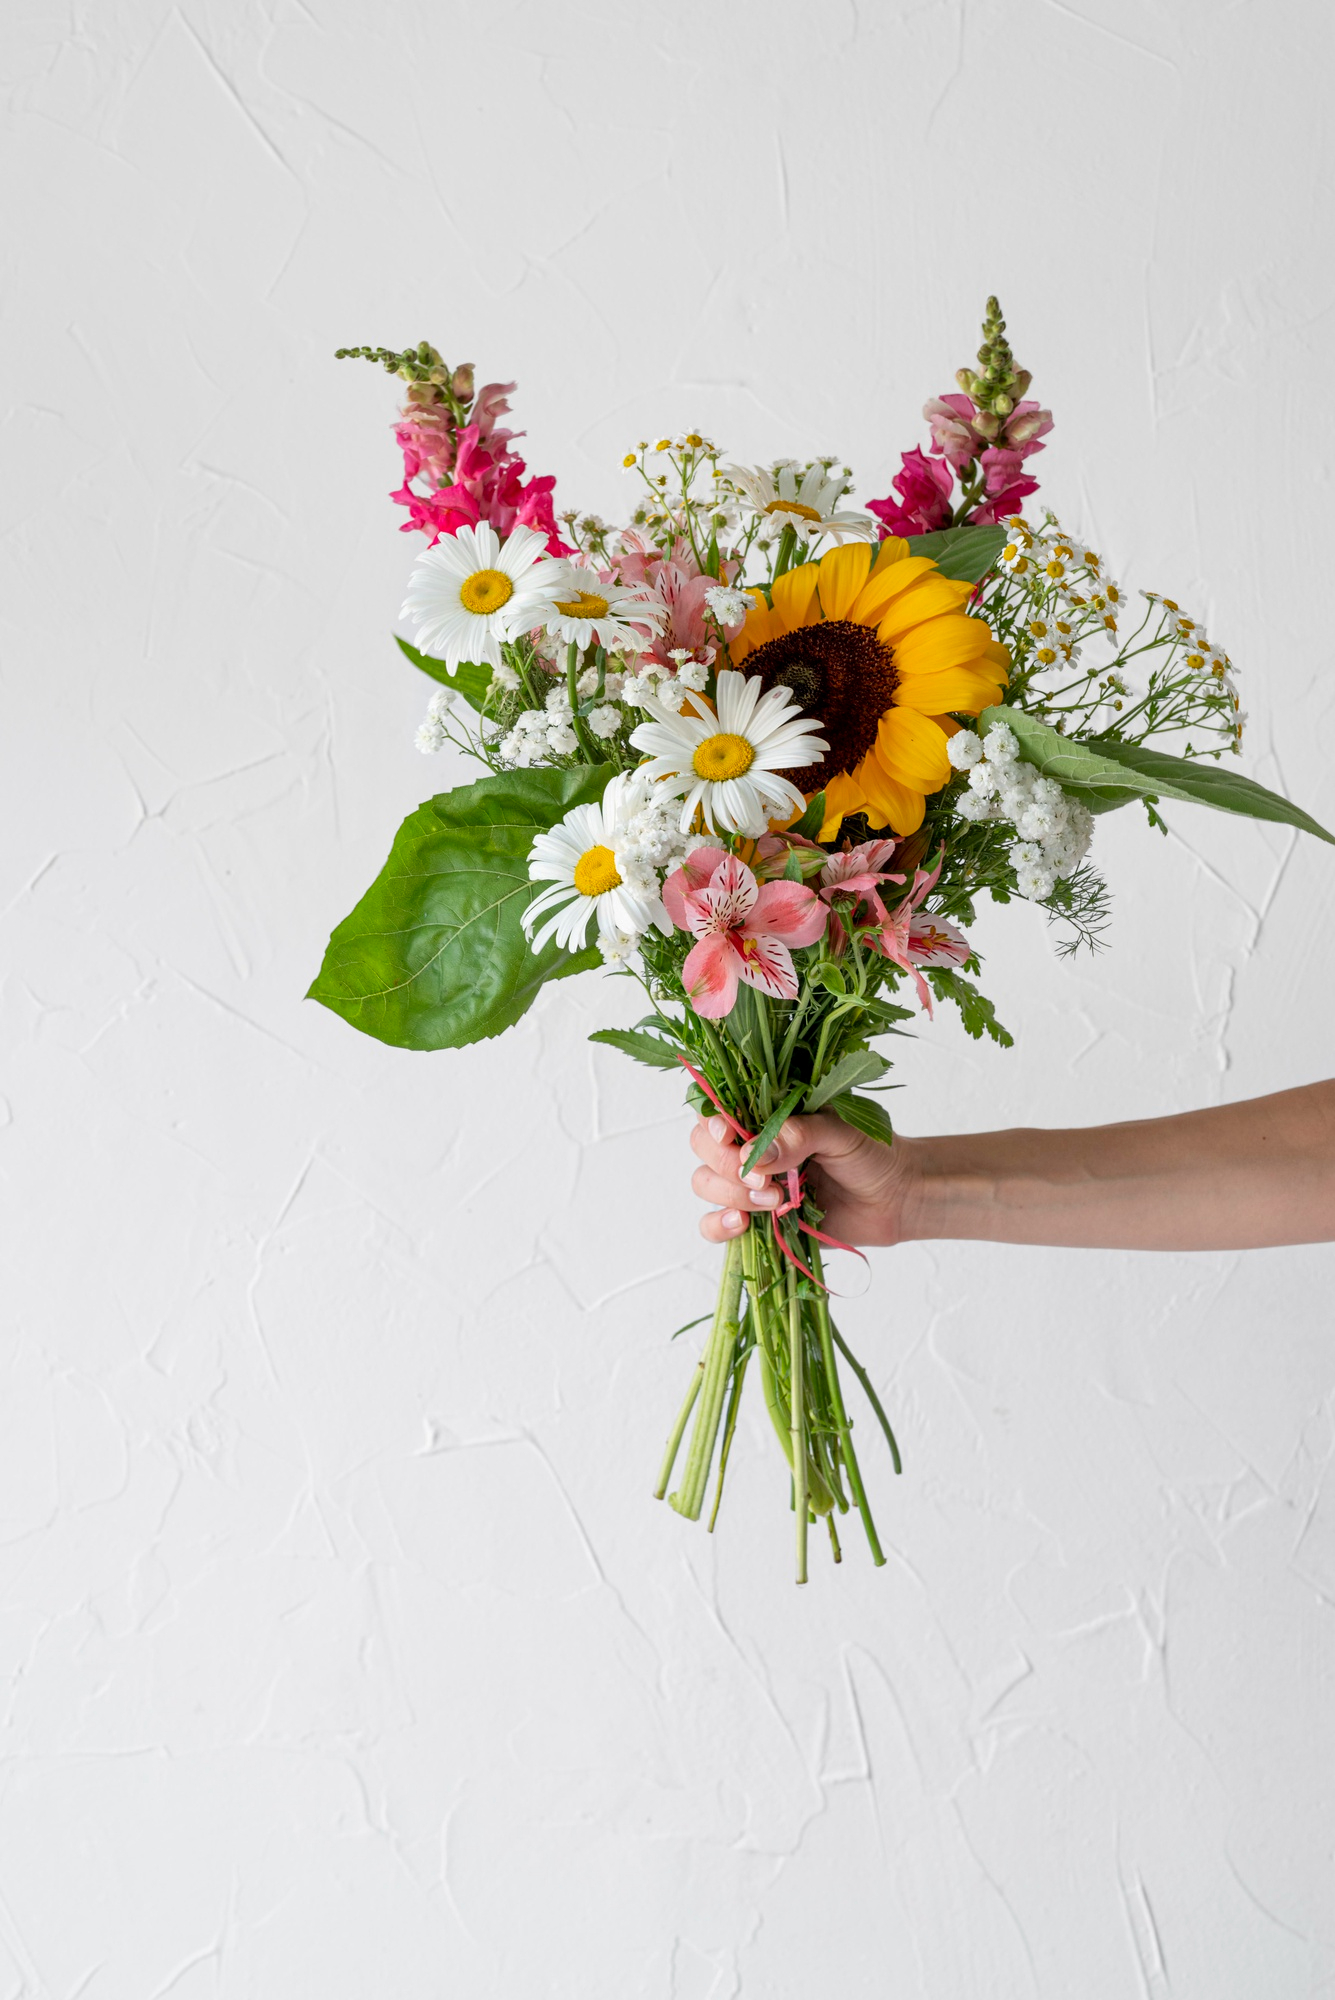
[[793, 507], [485, 591], [587, 605], [723, 756], [596, 872]]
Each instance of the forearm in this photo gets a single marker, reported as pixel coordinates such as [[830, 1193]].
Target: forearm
[[1238, 1176]]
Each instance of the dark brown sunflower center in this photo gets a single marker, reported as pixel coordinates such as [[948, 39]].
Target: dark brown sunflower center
[[840, 672]]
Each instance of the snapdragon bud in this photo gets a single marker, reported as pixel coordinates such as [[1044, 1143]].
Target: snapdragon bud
[[461, 382]]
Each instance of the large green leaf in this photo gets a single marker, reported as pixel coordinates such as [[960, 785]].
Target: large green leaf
[[469, 679], [864, 1116], [433, 956], [966, 554], [1106, 775]]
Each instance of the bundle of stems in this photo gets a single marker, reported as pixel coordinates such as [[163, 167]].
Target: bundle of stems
[[770, 1307]]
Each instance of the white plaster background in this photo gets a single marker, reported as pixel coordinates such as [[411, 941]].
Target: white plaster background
[[344, 1651]]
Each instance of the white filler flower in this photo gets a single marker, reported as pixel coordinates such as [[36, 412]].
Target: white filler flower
[[472, 591], [577, 857], [729, 764]]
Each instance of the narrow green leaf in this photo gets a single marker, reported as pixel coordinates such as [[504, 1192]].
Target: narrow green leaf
[[812, 820], [861, 1066], [966, 554], [650, 1049], [864, 1116], [470, 680], [769, 1131], [434, 954], [1105, 775]]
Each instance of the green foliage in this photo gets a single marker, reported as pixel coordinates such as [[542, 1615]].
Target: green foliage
[[641, 1048], [859, 1066], [812, 820], [470, 680], [966, 554], [433, 956], [1106, 774], [864, 1116], [977, 1014], [772, 1126]]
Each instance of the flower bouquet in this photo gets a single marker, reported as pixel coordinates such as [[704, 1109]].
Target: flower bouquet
[[761, 752]]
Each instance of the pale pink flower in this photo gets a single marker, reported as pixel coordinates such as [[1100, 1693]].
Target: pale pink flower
[[911, 940], [682, 586], [854, 876], [746, 929]]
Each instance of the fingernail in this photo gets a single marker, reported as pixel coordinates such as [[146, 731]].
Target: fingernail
[[731, 1220], [754, 1180], [765, 1198], [718, 1129]]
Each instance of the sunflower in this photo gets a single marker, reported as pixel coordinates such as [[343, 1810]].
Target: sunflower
[[878, 649]]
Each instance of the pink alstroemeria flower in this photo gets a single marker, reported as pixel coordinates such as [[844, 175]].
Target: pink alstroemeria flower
[[911, 940], [856, 874], [746, 929]]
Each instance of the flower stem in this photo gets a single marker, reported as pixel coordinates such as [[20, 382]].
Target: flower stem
[[577, 722], [842, 1424], [718, 1360], [801, 1503], [678, 1431]]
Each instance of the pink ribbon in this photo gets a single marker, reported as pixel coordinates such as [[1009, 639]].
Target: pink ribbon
[[796, 1188]]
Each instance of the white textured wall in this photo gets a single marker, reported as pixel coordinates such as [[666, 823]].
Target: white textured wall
[[344, 1651]]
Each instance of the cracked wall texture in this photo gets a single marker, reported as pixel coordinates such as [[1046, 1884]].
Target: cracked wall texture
[[344, 1651]]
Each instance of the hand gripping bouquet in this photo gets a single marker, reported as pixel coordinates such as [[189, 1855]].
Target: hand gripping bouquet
[[761, 752]]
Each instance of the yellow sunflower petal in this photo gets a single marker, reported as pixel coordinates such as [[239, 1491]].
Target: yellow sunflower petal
[[894, 549], [911, 748], [842, 795], [883, 586], [999, 656], [887, 799], [794, 598], [927, 599], [957, 688], [842, 574], [947, 641]]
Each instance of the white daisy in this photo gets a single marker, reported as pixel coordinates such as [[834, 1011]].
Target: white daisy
[[728, 763], [805, 498], [589, 612], [577, 857], [471, 591]]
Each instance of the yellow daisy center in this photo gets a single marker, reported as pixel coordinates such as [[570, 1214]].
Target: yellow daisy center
[[596, 872], [587, 605], [723, 756], [485, 591], [803, 513]]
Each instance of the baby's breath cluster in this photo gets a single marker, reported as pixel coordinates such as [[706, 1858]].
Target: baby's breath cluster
[[1052, 831]]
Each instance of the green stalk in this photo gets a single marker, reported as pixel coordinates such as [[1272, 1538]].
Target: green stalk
[[784, 553], [718, 1358], [869, 1393], [577, 722], [842, 1424], [678, 1431], [801, 1502], [730, 1425]]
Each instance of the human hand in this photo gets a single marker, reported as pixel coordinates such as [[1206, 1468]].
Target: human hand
[[865, 1188]]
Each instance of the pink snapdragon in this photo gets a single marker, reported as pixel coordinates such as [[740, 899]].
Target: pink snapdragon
[[924, 487], [472, 473], [747, 930]]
